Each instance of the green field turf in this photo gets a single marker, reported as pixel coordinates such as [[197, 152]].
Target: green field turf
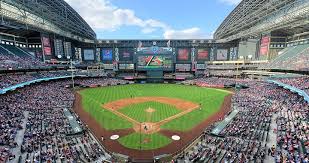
[[209, 98], [133, 141], [105, 118], [138, 111]]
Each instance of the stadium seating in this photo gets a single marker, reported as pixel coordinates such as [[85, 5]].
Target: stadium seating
[[13, 79], [299, 82], [17, 51], [292, 58], [33, 127], [14, 57], [270, 127]]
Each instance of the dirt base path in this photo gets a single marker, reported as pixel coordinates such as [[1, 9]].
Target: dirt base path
[[178, 103], [147, 155], [149, 127]]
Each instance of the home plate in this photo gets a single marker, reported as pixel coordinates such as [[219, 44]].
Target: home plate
[[176, 137], [114, 137]]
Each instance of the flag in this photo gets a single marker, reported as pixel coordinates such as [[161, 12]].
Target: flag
[[168, 43]]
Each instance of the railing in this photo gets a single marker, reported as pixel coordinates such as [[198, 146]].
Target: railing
[[20, 85], [292, 89]]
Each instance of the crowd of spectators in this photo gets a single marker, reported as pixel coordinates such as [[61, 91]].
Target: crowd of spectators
[[217, 82], [292, 58], [298, 82], [9, 61], [95, 82], [224, 73], [247, 138], [230, 149], [292, 128], [7, 80], [34, 128]]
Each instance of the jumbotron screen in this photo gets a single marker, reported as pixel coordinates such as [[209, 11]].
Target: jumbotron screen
[[154, 62]]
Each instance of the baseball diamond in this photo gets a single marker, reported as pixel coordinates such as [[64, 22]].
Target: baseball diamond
[[145, 116], [117, 81]]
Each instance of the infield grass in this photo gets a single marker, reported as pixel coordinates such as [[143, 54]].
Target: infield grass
[[210, 100], [144, 141], [139, 111]]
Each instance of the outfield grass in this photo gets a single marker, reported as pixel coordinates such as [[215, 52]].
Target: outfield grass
[[137, 141], [105, 118], [138, 111], [210, 99]]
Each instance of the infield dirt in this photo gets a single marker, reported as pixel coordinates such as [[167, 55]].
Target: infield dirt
[[149, 127]]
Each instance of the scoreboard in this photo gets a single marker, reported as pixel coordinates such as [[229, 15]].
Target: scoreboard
[[154, 62], [68, 49], [58, 45], [154, 58]]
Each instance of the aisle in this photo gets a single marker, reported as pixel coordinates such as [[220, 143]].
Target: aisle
[[272, 137], [19, 138]]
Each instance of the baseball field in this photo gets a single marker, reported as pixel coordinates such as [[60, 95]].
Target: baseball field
[[144, 116]]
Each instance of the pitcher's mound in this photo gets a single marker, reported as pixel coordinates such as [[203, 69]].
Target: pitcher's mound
[[150, 110]]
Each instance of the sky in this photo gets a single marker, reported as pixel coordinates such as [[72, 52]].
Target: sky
[[156, 19]]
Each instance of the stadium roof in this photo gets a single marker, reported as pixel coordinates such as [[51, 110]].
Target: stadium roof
[[253, 17], [55, 12]]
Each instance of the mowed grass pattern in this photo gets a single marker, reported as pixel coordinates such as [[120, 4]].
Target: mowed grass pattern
[[139, 113], [144, 141], [105, 118], [209, 98]]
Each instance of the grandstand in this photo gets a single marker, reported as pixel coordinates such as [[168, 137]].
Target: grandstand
[[293, 58], [49, 55]]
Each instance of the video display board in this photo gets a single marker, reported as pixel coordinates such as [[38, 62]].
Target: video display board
[[154, 62], [222, 54], [202, 55], [88, 54], [154, 58], [107, 54], [126, 54], [183, 54]]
